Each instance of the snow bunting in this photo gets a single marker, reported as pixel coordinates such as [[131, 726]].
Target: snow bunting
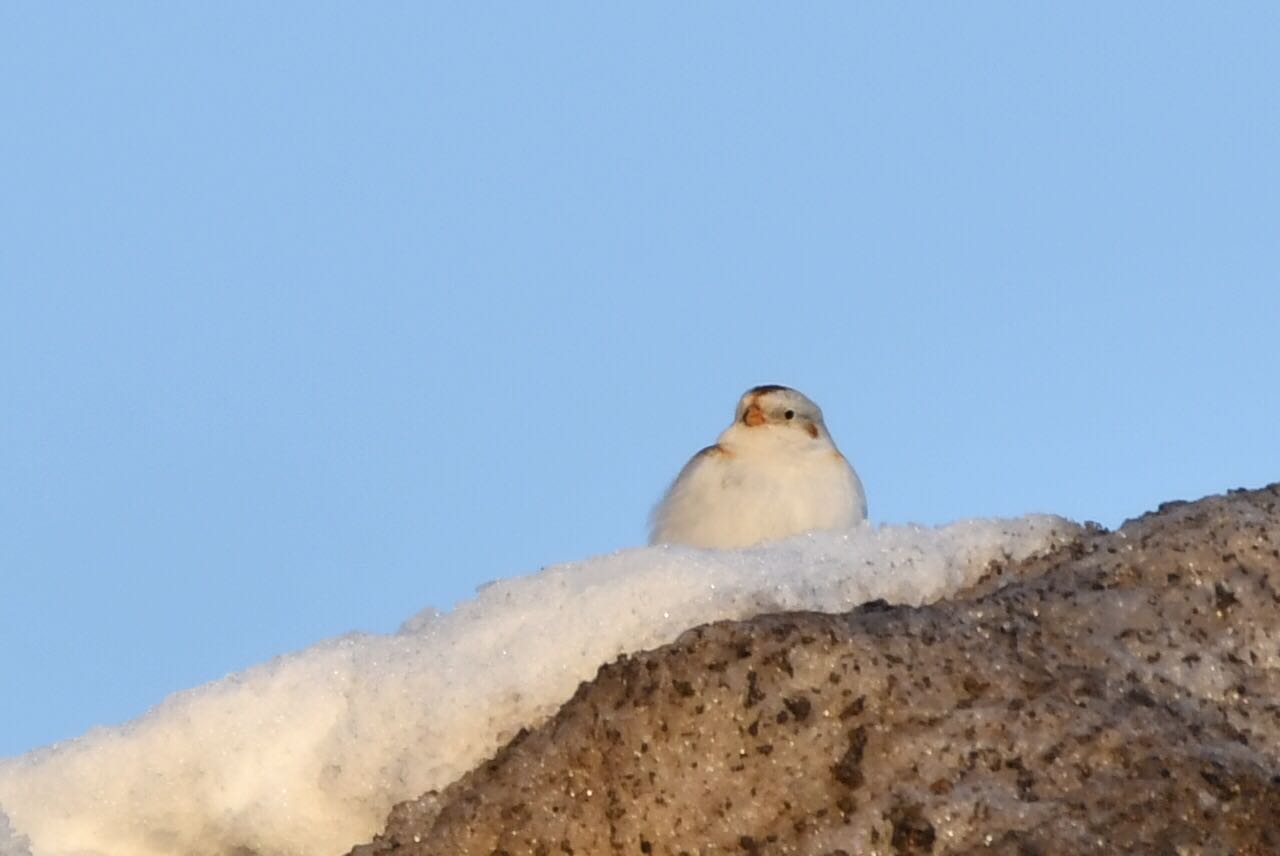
[[774, 472]]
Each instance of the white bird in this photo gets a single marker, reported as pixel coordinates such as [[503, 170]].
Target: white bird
[[774, 472]]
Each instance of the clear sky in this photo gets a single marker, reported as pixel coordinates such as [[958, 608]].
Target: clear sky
[[312, 315]]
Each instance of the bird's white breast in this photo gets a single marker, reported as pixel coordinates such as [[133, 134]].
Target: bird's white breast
[[731, 497]]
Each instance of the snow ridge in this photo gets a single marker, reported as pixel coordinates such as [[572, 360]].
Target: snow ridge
[[308, 752]]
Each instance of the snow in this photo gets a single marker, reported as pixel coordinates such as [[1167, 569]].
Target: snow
[[308, 752]]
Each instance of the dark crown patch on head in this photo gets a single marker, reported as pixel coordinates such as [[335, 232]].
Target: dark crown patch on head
[[768, 387]]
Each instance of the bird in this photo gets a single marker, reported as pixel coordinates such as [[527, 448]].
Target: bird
[[774, 472]]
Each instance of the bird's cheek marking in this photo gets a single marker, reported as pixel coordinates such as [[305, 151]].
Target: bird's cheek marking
[[754, 416], [812, 429]]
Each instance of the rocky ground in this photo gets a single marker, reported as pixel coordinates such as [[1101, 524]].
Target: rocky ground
[[1121, 695]]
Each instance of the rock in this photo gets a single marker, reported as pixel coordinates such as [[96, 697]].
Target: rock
[[1122, 695]]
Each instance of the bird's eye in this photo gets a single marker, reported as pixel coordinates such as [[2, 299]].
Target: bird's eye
[[790, 414]]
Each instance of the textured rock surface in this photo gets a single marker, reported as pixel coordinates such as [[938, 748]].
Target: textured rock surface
[[1121, 696]]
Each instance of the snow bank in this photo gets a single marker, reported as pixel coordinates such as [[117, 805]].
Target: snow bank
[[306, 754]]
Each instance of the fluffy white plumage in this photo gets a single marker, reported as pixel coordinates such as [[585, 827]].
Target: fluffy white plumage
[[774, 472]]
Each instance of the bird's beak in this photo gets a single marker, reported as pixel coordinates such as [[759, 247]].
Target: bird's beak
[[754, 416]]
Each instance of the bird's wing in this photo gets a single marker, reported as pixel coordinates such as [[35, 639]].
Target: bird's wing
[[682, 493], [855, 486]]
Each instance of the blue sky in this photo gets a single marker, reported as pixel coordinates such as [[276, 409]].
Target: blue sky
[[316, 314]]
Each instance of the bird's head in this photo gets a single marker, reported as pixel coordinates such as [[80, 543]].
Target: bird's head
[[779, 411]]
